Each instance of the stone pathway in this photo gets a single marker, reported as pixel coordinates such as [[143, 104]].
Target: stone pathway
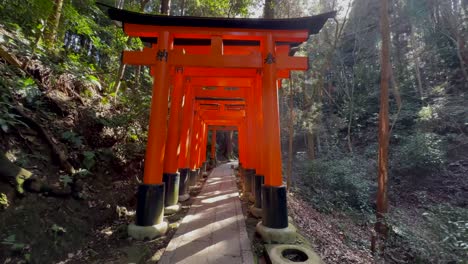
[[214, 230]]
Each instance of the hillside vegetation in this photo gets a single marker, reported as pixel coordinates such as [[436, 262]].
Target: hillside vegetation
[[73, 129]]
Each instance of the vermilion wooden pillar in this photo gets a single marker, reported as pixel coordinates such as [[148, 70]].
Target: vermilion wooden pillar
[[250, 145], [150, 205], [204, 148], [242, 135], [172, 146], [194, 145], [185, 138], [259, 124], [200, 145], [275, 214], [204, 145], [171, 176], [258, 180]]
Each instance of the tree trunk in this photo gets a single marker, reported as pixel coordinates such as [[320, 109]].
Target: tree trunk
[[122, 67], [165, 6], [119, 4], [120, 75], [228, 135], [381, 228], [143, 4], [310, 145], [53, 23], [182, 8], [138, 76], [460, 50], [416, 64], [268, 9], [291, 136]]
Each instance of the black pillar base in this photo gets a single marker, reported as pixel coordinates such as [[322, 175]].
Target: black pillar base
[[150, 204], [171, 181], [274, 205], [258, 182], [184, 181], [192, 178], [249, 174]]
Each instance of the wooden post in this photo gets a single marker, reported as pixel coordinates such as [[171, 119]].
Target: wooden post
[[186, 129], [202, 156], [251, 133], [194, 143], [259, 125], [171, 152], [271, 133], [157, 131]]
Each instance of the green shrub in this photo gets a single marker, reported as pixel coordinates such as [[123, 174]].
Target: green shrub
[[440, 237], [339, 182], [418, 154]]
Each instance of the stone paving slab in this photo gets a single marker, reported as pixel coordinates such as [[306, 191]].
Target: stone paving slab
[[213, 231]]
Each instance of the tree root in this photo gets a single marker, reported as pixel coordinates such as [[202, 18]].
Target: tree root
[[13, 173], [38, 186], [24, 180], [56, 152]]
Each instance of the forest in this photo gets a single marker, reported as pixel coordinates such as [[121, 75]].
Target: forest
[[74, 121]]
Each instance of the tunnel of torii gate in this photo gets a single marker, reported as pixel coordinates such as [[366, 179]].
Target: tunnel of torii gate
[[217, 72]]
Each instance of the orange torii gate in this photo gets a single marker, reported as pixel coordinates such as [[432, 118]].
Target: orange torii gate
[[252, 53], [202, 94], [236, 101]]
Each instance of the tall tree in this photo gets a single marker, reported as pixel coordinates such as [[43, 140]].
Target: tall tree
[[382, 198], [165, 6], [122, 67], [53, 23], [228, 136], [291, 135], [269, 9]]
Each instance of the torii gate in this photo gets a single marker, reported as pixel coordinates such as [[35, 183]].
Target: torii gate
[[235, 103], [187, 47]]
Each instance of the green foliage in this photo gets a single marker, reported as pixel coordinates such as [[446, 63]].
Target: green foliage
[[14, 245], [25, 13], [72, 138], [221, 8], [89, 159], [58, 229], [66, 180], [339, 183], [4, 203], [441, 237], [418, 154], [8, 119], [451, 223], [28, 90]]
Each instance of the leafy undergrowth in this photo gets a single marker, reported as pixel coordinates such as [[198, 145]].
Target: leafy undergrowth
[[334, 203], [78, 213], [335, 237]]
